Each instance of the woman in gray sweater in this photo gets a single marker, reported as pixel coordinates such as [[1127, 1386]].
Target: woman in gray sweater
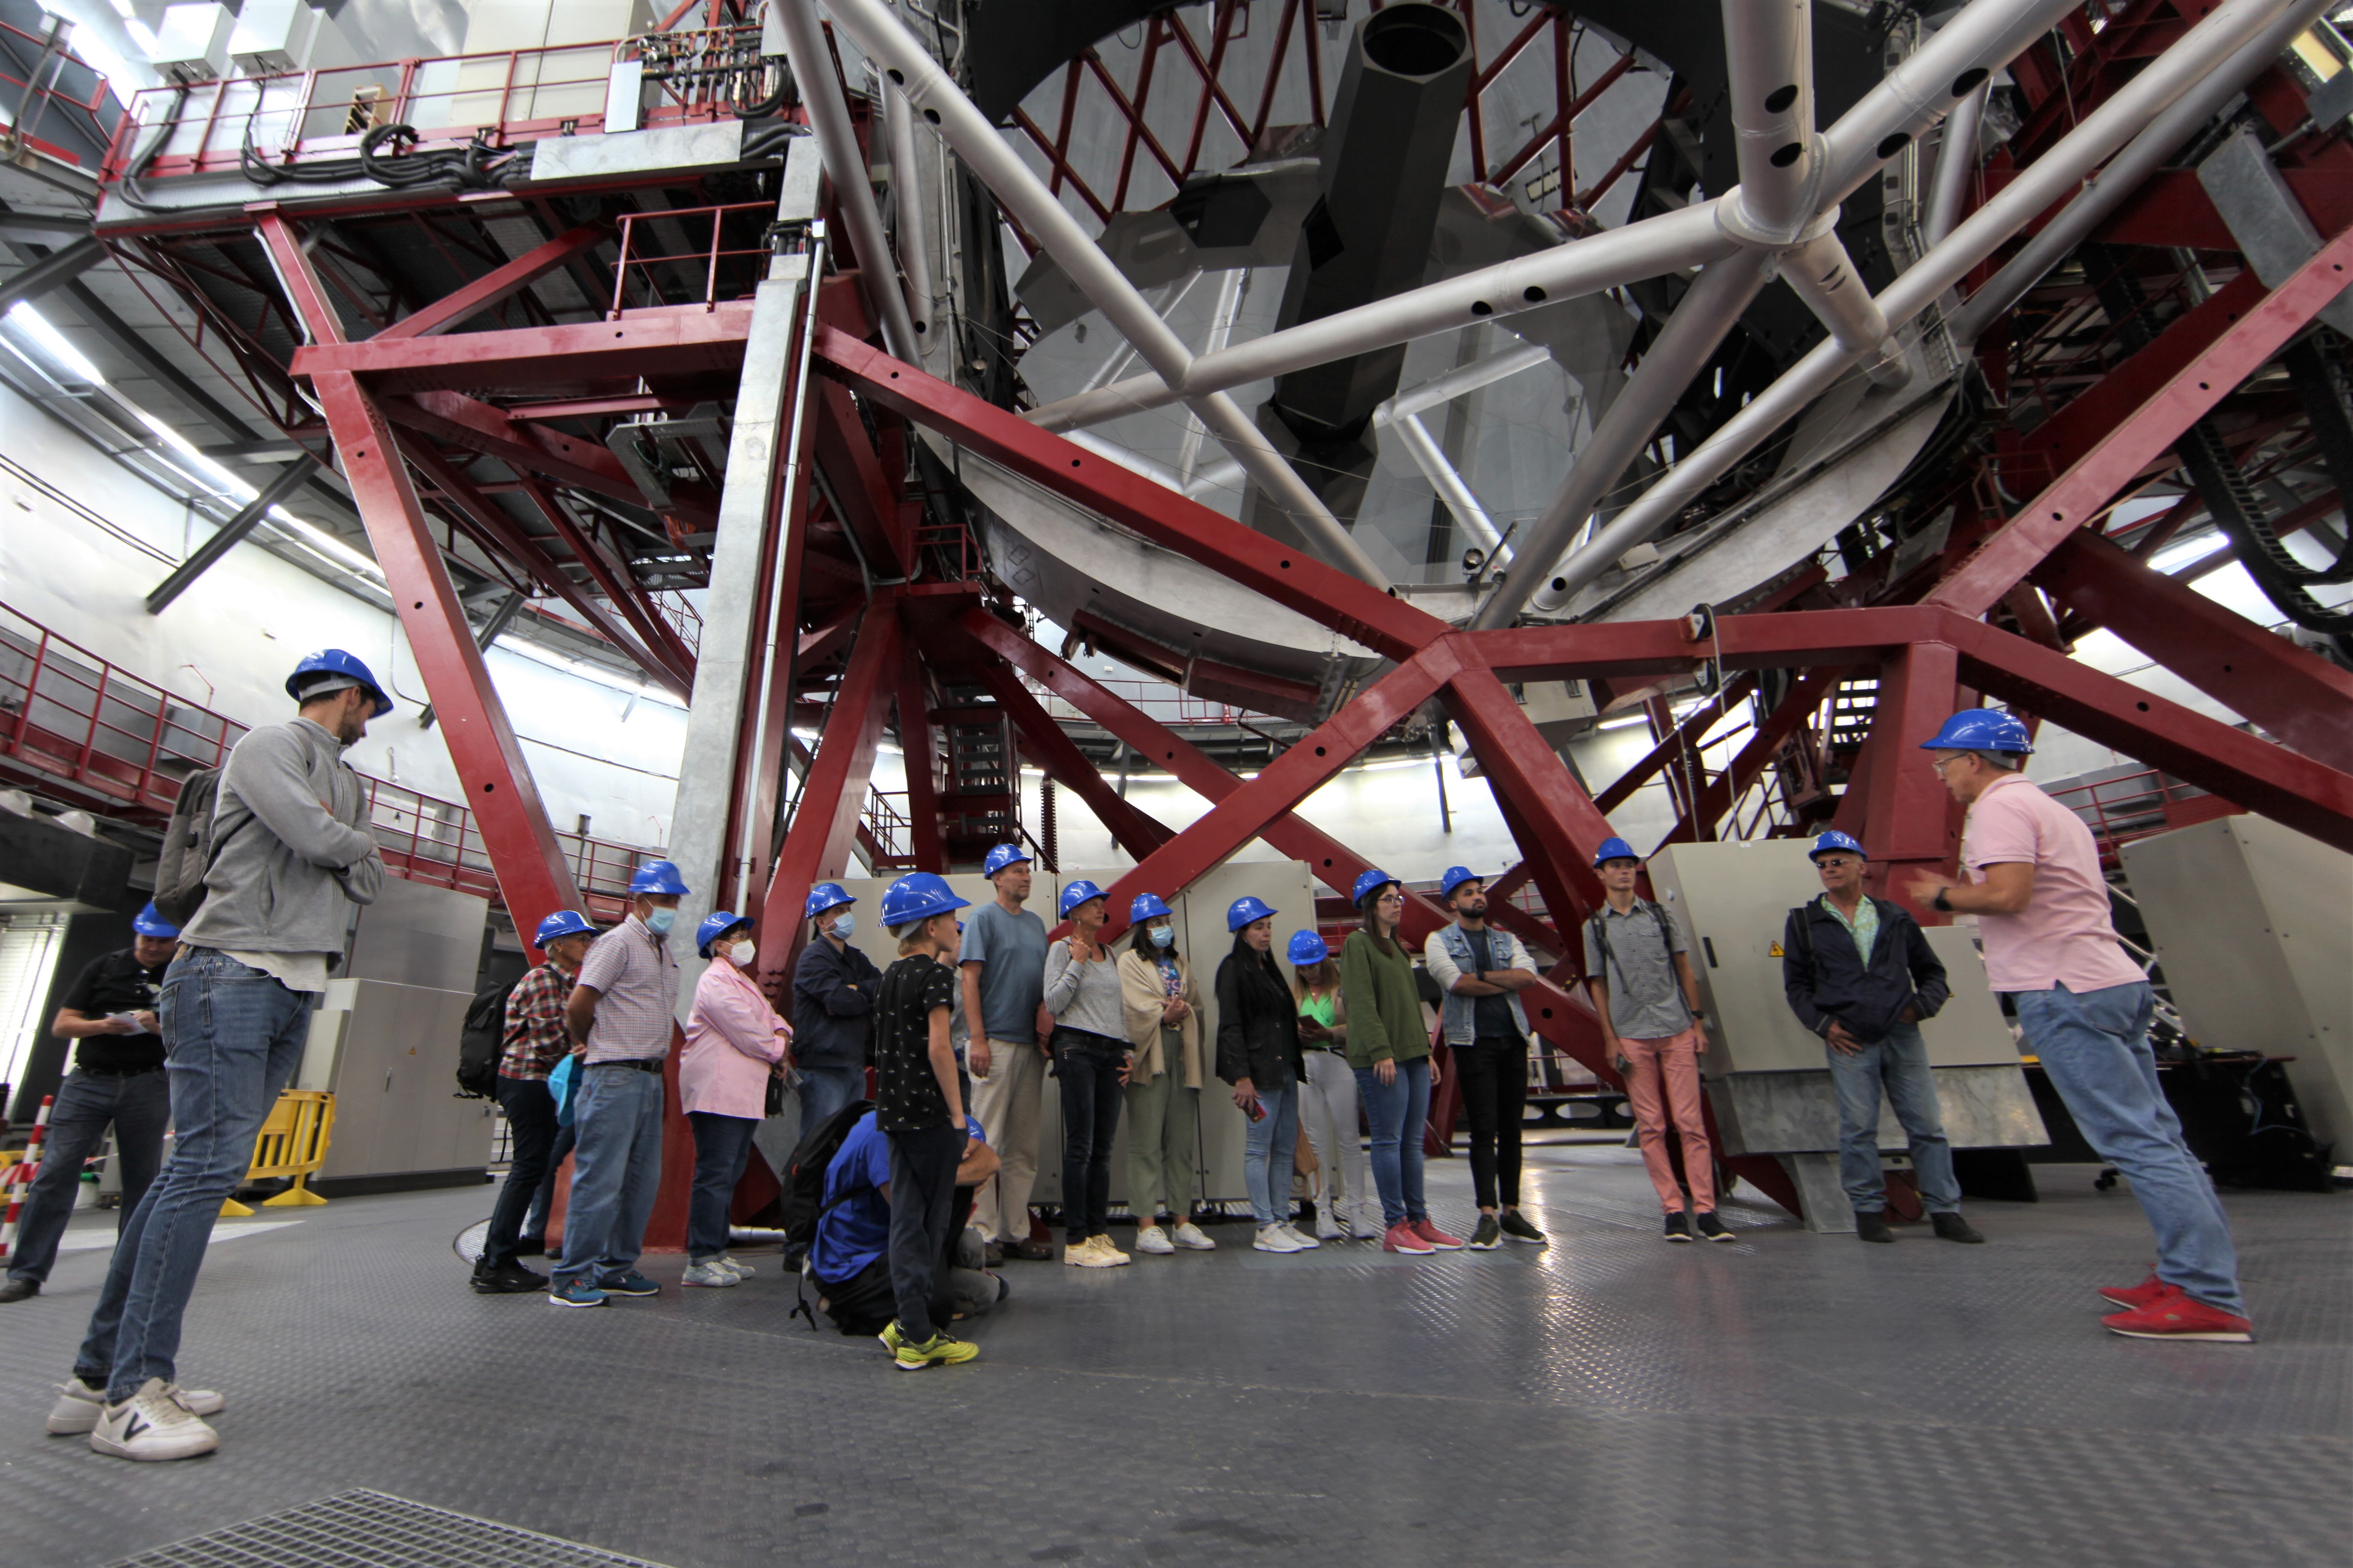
[[1091, 1058]]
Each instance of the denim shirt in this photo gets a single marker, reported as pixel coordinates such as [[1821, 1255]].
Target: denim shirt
[[1460, 1013]]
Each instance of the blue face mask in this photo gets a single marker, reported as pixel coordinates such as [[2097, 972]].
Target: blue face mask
[[660, 920], [1163, 936], [844, 925]]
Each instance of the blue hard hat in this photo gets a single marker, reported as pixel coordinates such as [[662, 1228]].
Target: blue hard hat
[[1077, 893], [561, 924], [918, 895], [659, 877], [348, 671], [1613, 849], [1145, 907], [823, 897], [1455, 877], [148, 923], [1001, 856], [1367, 882], [1306, 948], [716, 924], [1834, 839], [1244, 910], [1980, 729]]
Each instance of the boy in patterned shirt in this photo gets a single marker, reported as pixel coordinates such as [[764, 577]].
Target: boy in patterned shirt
[[919, 1107]]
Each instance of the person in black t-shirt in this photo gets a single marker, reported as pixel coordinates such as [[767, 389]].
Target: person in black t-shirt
[[117, 1080], [919, 1107]]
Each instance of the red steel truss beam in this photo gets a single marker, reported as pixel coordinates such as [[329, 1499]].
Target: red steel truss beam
[[1132, 830], [1388, 625], [1720, 795], [2303, 700], [455, 309], [2080, 494], [1907, 814], [833, 795], [519, 444], [1686, 737], [868, 501], [614, 581], [923, 787], [549, 360]]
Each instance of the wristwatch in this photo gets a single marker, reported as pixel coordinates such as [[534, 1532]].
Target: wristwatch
[[1941, 903]]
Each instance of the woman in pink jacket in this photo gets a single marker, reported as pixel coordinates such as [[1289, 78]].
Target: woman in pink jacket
[[734, 1044]]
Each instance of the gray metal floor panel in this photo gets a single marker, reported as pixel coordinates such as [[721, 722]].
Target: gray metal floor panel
[[1793, 1399], [364, 1528]]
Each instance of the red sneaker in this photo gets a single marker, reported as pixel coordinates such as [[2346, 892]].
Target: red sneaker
[[1400, 1237], [2180, 1317], [1437, 1239], [2133, 1297]]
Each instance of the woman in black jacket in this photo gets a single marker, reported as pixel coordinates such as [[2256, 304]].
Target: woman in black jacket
[[1859, 971], [1258, 1053]]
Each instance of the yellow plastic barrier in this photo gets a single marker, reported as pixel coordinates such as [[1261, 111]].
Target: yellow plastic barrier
[[293, 1143]]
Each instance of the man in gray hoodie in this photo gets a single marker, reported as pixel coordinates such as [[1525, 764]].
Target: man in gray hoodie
[[290, 852]]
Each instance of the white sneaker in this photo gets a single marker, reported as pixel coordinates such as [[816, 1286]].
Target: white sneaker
[[1154, 1240], [741, 1270], [153, 1424], [1327, 1224], [1367, 1222], [1192, 1238], [1306, 1242], [1094, 1252], [1275, 1238], [79, 1406], [713, 1274]]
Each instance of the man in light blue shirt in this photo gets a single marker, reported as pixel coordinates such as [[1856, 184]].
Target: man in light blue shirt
[[1001, 966]]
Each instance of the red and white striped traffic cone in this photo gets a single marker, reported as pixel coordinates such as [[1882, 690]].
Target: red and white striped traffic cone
[[21, 1174]]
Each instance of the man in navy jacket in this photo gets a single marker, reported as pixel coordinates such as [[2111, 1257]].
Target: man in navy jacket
[[833, 1007], [1859, 971]]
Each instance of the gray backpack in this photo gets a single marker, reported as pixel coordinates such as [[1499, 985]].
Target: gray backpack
[[188, 847]]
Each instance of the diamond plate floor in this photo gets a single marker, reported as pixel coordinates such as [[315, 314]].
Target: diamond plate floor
[[1795, 1399]]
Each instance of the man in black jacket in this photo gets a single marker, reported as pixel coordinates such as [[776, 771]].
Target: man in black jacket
[[1859, 971], [833, 1007]]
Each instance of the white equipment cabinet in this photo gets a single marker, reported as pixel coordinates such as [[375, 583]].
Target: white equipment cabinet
[[2253, 924], [1765, 1073]]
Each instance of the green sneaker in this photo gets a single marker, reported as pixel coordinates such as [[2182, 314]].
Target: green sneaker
[[1488, 1236], [893, 1340], [938, 1351]]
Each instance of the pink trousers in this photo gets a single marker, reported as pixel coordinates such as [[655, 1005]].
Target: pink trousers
[[1676, 1060]]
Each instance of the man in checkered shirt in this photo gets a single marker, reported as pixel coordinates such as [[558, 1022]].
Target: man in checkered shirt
[[535, 1040]]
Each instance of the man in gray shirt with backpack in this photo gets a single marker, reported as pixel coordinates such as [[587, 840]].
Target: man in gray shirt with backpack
[[285, 855]]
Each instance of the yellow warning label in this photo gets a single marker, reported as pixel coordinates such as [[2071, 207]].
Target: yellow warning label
[[1774, 952]]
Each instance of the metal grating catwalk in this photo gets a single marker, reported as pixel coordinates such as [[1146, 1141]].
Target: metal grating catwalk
[[372, 1530], [1794, 1399]]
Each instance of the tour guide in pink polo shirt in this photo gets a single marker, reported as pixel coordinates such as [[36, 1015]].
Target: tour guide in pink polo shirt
[[2042, 913]]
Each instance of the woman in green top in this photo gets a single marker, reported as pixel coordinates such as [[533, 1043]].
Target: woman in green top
[[1389, 1045], [1327, 1099]]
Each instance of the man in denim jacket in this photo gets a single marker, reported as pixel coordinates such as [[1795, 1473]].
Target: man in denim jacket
[[1481, 971]]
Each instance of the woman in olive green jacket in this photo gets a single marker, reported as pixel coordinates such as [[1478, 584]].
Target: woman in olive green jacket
[[1389, 1045]]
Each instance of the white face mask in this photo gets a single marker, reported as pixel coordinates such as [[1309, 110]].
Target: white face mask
[[845, 926], [742, 953]]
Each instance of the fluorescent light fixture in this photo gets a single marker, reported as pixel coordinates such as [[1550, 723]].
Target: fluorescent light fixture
[[1631, 718], [593, 673], [326, 543], [2184, 552], [35, 326]]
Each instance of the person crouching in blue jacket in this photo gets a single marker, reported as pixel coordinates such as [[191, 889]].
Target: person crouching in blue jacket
[[1859, 971]]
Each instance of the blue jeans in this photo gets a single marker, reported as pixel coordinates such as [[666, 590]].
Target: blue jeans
[[2094, 1048], [139, 1107], [723, 1145], [616, 1124], [1269, 1147], [236, 1038], [1900, 1063], [1397, 1112], [825, 1090]]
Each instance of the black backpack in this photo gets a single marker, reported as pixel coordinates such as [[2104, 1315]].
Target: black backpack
[[804, 1175], [1600, 930], [482, 1040]]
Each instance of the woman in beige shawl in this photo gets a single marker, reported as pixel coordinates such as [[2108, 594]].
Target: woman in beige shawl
[[1163, 1008]]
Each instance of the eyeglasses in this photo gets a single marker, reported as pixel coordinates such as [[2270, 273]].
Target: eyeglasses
[[1392, 898], [1835, 862], [1941, 763]]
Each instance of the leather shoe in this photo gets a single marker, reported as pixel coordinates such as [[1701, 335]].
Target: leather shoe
[[1872, 1227], [19, 1290], [1952, 1227], [1032, 1251]]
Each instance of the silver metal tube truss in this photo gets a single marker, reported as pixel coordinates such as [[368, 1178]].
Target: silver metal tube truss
[[907, 199], [1821, 274], [2217, 38], [812, 65], [1768, 47], [1447, 481], [2148, 151], [1956, 160], [1706, 313], [908, 66]]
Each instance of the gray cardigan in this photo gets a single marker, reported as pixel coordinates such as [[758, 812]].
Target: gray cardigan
[[1085, 995], [290, 853]]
